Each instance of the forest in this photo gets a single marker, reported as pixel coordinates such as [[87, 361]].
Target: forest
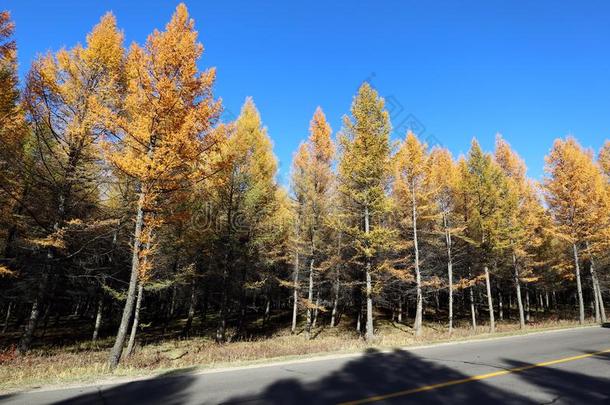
[[131, 213]]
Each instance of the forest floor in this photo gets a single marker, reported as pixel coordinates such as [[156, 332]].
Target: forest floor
[[56, 362]]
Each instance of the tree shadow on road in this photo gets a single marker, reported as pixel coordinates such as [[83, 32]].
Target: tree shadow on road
[[169, 389], [374, 374], [567, 386], [378, 373]]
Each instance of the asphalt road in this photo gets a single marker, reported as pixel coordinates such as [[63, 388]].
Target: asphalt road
[[563, 367]]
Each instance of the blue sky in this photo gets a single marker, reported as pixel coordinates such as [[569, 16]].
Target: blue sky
[[533, 71]]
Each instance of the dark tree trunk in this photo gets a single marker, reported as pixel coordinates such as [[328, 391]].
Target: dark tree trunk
[[117, 349], [191, 312], [136, 321], [8, 316], [30, 327]]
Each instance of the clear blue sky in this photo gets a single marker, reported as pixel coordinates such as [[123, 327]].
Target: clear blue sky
[[533, 71]]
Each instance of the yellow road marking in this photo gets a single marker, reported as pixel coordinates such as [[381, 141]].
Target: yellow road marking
[[470, 379]]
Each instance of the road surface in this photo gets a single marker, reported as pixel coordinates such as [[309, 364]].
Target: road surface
[[561, 367]]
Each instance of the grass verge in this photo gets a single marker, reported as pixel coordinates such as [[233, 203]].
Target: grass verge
[[86, 362]]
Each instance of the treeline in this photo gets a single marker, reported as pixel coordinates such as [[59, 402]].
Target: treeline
[[124, 196]]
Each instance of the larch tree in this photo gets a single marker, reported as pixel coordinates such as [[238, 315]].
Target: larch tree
[[486, 185], [443, 183], [604, 159], [312, 182], [13, 136], [522, 216], [244, 193], [64, 94], [160, 136], [576, 195], [600, 245], [260, 205], [364, 169], [412, 195]]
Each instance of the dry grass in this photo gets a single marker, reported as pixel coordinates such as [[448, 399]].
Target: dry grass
[[85, 362]]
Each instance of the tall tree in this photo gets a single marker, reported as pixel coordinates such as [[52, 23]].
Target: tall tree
[[13, 136], [364, 168], [64, 95], [443, 182], [244, 194], [412, 194], [576, 195], [522, 216], [161, 135], [312, 182], [486, 186]]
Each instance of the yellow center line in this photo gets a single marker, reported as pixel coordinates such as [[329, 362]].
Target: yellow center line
[[471, 379]]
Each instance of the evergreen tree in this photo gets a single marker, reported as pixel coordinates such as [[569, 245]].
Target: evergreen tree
[[487, 189], [522, 217], [412, 194], [64, 95], [160, 135], [312, 182], [443, 182], [363, 181], [577, 198]]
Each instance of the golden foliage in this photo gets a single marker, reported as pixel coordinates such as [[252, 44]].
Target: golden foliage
[[575, 191], [6, 272]]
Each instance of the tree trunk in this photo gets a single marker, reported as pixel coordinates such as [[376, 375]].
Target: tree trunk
[[500, 304], [417, 324], [518, 291], [490, 306], [473, 312], [45, 318], [315, 312], [400, 309], [241, 322], [136, 321], [599, 299], [333, 315], [310, 298], [30, 327], [448, 244], [221, 330], [267, 314], [117, 349], [527, 304], [369, 285], [295, 294], [191, 313], [8, 316], [581, 305], [98, 318], [172, 305], [369, 304]]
